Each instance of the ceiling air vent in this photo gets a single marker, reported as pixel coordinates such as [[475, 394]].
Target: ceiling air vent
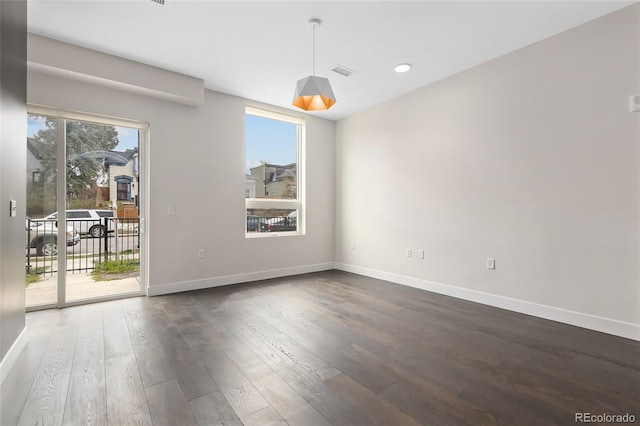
[[158, 1], [343, 70]]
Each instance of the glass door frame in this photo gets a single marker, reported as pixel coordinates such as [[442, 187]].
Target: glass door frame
[[61, 197]]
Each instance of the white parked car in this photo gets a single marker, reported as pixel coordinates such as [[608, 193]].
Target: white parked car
[[42, 235], [88, 221]]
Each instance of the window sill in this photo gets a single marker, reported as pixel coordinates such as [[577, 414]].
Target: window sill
[[272, 234]]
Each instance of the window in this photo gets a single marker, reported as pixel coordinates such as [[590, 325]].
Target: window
[[123, 188], [123, 191], [81, 214], [274, 190]]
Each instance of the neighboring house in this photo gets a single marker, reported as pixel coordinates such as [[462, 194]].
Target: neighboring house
[[250, 186], [275, 181], [34, 171], [123, 180]]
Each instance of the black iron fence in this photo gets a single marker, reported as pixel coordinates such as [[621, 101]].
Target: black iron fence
[[263, 220], [88, 242]]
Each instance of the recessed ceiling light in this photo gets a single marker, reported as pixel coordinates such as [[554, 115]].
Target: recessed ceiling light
[[402, 68]]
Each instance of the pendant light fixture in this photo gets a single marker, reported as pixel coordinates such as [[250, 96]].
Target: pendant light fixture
[[314, 93]]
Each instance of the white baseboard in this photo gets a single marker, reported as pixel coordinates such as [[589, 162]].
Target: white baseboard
[[12, 355], [160, 289], [591, 322]]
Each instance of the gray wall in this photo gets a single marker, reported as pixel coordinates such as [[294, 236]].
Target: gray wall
[[13, 133], [196, 163], [532, 159]]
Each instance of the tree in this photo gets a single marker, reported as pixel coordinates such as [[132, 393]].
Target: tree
[[82, 173]]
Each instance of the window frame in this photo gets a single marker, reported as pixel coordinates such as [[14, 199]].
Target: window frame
[[267, 203]]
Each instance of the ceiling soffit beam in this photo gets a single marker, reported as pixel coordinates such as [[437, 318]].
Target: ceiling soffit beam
[[70, 61]]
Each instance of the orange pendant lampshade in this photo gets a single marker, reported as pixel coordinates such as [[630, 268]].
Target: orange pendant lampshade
[[314, 93]]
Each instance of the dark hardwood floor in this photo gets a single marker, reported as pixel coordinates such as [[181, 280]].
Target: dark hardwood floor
[[328, 348]]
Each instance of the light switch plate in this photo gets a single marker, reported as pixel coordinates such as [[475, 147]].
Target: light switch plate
[[634, 103], [13, 208], [491, 263]]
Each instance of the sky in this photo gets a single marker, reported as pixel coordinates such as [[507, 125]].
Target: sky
[[127, 137], [269, 140]]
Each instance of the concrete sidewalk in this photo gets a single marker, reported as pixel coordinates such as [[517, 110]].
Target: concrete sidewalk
[[79, 287]]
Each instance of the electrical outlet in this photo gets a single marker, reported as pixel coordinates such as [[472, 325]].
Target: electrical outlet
[[171, 210], [201, 254], [408, 252], [420, 254], [353, 245], [491, 263]]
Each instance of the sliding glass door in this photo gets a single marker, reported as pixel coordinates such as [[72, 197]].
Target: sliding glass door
[[91, 171]]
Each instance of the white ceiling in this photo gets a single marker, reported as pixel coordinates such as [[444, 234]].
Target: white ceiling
[[259, 49]]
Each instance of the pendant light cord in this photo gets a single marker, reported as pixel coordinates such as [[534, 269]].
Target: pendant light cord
[[314, 49]]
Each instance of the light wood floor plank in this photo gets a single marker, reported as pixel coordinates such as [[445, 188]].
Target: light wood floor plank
[[168, 406], [16, 386], [152, 363], [48, 395], [214, 409], [327, 348], [87, 397], [265, 417], [126, 400], [241, 394], [289, 404], [117, 341], [379, 410]]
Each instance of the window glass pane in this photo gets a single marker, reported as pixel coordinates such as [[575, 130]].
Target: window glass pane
[[271, 169], [41, 166], [41, 234], [123, 191], [273, 172], [82, 214]]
